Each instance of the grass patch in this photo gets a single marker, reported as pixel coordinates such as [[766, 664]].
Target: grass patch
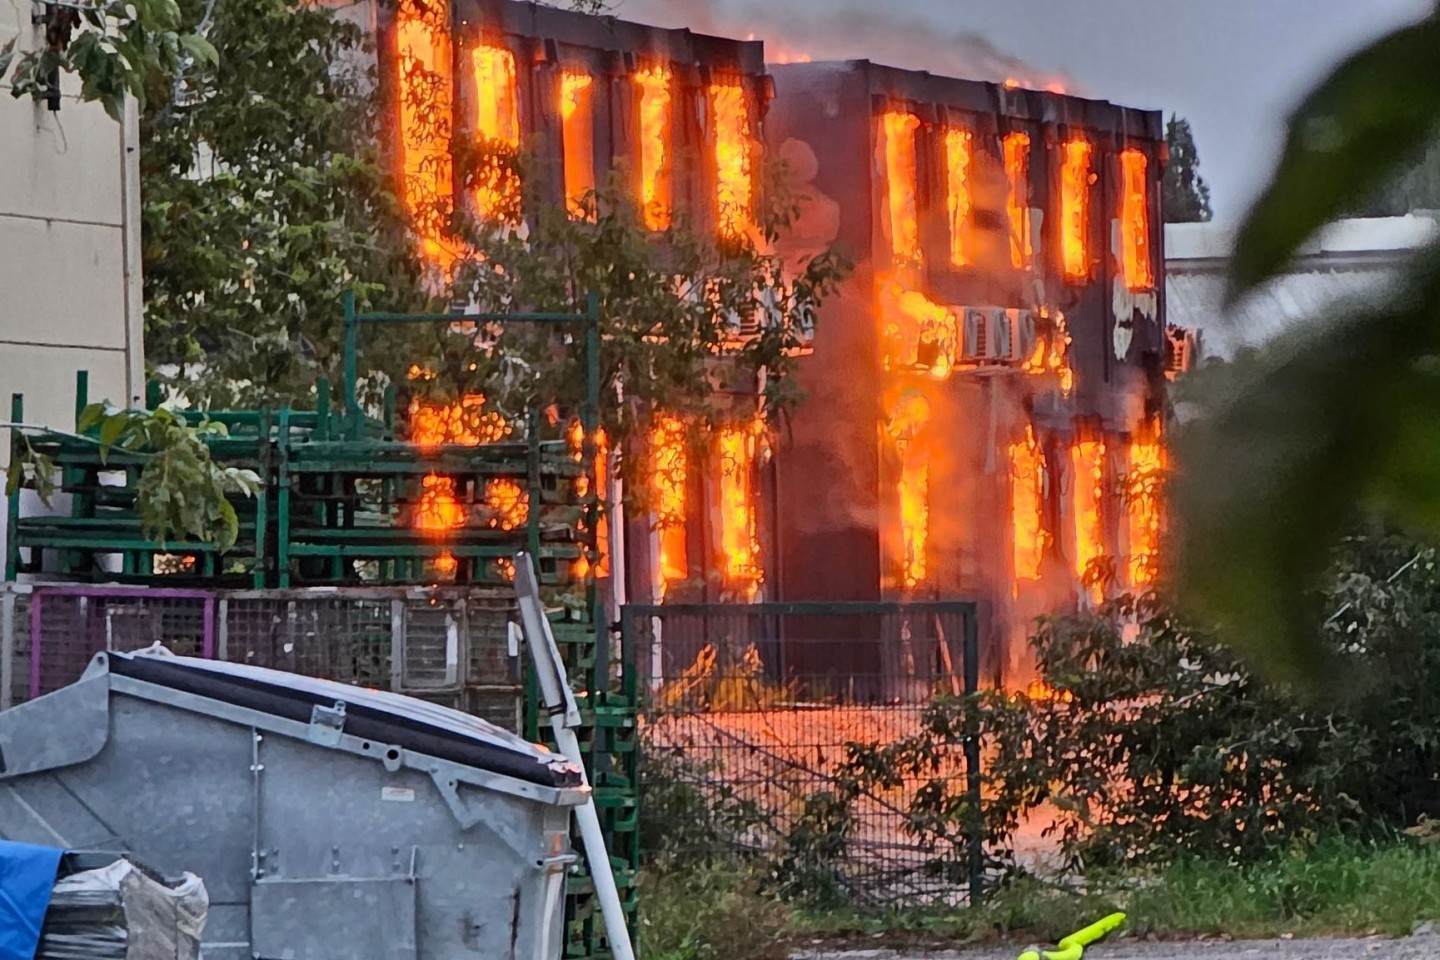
[[719, 913]]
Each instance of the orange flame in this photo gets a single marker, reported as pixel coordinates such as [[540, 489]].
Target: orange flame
[[957, 194], [898, 132], [731, 111], [497, 125], [654, 85], [508, 503], [1135, 222], [911, 320], [1088, 492], [1075, 209], [466, 422], [422, 56], [737, 509], [1017, 171], [582, 488], [671, 464], [577, 134], [1142, 497], [907, 421], [1040, 690], [1027, 480]]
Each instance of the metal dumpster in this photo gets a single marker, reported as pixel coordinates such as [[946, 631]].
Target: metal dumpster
[[328, 822]]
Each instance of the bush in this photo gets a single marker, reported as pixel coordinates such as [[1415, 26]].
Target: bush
[[709, 910], [1164, 746]]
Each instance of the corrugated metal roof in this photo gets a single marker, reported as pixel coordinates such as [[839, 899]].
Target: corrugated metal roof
[[1348, 260]]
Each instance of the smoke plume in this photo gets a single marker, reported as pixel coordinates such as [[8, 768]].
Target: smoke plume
[[825, 31]]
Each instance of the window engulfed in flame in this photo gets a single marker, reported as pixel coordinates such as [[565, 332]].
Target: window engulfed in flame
[[907, 421], [743, 573], [1087, 490], [957, 193], [1135, 222], [438, 510], [898, 130], [577, 135], [671, 460], [497, 127], [730, 112], [422, 57], [1017, 206], [655, 157], [1142, 507], [1027, 506], [1075, 210], [918, 331]]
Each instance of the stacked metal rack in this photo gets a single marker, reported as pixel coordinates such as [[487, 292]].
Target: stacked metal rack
[[336, 509]]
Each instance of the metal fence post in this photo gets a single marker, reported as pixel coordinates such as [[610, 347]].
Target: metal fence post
[[7, 645], [972, 762]]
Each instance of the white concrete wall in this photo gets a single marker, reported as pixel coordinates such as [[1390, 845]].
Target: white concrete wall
[[70, 296]]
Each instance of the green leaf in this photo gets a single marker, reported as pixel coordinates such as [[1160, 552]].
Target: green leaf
[[1371, 115], [200, 48], [111, 431], [13, 475], [91, 417], [7, 55], [1334, 422]]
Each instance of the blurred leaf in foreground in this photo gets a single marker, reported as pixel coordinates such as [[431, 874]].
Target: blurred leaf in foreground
[[1338, 419]]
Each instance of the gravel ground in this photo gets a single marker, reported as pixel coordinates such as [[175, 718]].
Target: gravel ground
[[1373, 948]]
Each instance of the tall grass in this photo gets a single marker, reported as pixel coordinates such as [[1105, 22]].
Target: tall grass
[[720, 911]]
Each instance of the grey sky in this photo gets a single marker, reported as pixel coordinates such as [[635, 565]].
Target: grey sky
[[1234, 67]]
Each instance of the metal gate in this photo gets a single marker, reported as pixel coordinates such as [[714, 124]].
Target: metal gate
[[760, 705]]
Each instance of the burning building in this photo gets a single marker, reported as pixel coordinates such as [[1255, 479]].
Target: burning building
[[985, 397]]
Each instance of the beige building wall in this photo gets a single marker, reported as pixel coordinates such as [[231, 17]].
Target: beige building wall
[[70, 296]]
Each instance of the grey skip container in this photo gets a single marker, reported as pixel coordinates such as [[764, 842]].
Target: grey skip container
[[328, 822]]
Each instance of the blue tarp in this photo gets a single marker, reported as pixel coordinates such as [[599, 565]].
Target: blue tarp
[[27, 875]]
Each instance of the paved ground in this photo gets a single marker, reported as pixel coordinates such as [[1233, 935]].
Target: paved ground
[[1404, 948]]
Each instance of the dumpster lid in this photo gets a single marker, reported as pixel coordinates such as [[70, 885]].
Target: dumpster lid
[[378, 715]]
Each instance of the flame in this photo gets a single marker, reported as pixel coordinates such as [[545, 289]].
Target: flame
[[1017, 171], [1075, 209], [582, 488], [422, 57], [497, 126], [671, 464], [778, 54], [1042, 691], [910, 319], [577, 134], [731, 112], [1027, 504], [1052, 353], [957, 194], [1088, 492], [898, 133], [508, 503], [1142, 496], [737, 508], [655, 146], [466, 422], [1135, 222], [907, 421]]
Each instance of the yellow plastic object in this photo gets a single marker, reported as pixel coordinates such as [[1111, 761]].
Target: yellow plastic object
[[1073, 946]]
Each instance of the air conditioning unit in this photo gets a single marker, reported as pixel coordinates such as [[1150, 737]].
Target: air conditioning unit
[[1181, 350], [1017, 341], [978, 343]]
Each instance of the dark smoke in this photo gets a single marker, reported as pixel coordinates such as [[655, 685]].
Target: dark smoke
[[823, 31]]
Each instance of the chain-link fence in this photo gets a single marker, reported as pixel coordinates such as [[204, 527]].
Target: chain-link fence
[[757, 716]]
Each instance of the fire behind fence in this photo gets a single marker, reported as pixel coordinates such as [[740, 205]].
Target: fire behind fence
[[758, 712]]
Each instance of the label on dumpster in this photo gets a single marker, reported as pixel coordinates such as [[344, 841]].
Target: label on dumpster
[[397, 794]]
